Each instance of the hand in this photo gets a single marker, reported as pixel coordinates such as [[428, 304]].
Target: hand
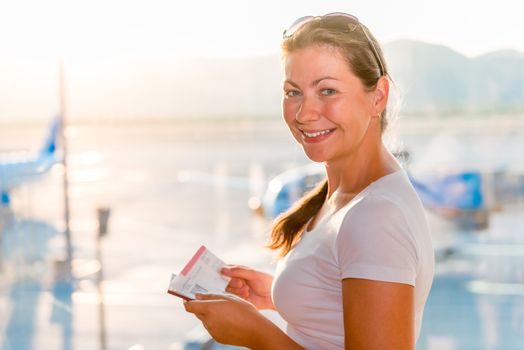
[[229, 319], [251, 285]]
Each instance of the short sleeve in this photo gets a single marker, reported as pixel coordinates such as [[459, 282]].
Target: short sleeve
[[375, 242]]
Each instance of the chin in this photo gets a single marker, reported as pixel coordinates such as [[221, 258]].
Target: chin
[[315, 157]]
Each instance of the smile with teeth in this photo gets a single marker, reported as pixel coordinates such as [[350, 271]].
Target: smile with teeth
[[317, 133]]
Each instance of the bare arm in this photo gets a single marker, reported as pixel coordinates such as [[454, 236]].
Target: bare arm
[[271, 337], [378, 315]]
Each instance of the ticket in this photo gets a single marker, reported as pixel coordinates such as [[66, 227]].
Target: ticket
[[200, 275]]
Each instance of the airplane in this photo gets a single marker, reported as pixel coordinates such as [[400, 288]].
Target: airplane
[[456, 196], [18, 168]]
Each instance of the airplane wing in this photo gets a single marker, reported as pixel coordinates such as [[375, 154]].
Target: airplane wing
[[18, 168]]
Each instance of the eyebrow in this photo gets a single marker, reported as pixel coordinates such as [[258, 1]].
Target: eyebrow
[[314, 83]]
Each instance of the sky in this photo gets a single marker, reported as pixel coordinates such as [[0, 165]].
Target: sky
[[89, 29], [37, 33]]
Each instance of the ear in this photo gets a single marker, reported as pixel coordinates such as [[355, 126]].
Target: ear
[[381, 95]]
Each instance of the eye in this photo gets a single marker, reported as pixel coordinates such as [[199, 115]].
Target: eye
[[328, 92], [291, 93]]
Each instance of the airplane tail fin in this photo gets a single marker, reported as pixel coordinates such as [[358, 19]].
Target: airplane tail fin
[[49, 147]]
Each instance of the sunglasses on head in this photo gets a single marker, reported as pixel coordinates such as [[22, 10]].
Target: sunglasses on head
[[296, 25]]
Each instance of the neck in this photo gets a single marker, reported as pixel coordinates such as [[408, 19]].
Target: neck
[[350, 175]]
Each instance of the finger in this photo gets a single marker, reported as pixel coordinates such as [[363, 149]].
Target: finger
[[241, 292], [188, 307], [201, 317], [236, 283], [243, 289], [238, 271], [201, 296], [198, 315], [196, 307]]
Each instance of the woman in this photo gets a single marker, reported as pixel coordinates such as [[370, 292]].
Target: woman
[[357, 260]]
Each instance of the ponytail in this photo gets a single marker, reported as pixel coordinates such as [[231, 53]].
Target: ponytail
[[288, 226]]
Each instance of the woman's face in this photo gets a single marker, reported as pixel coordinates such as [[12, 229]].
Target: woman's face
[[325, 105]]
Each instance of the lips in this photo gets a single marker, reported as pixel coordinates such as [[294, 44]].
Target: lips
[[316, 135]]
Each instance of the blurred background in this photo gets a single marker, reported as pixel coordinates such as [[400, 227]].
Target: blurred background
[[132, 132]]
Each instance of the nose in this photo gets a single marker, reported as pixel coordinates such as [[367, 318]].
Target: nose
[[308, 110]]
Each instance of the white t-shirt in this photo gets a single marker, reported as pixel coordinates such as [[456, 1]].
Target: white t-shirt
[[381, 234]]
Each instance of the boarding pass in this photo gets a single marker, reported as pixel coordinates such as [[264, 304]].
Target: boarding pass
[[200, 275]]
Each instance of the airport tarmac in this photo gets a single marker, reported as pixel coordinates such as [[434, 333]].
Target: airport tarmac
[[174, 186]]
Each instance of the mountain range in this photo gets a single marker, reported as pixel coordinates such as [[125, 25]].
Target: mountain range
[[435, 79], [432, 79]]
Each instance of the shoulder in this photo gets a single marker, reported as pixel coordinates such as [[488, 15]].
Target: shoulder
[[374, 223], [388, 211], [374, 209], [391, 201]]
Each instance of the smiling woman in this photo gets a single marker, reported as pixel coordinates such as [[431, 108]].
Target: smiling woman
[[357, 259]]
